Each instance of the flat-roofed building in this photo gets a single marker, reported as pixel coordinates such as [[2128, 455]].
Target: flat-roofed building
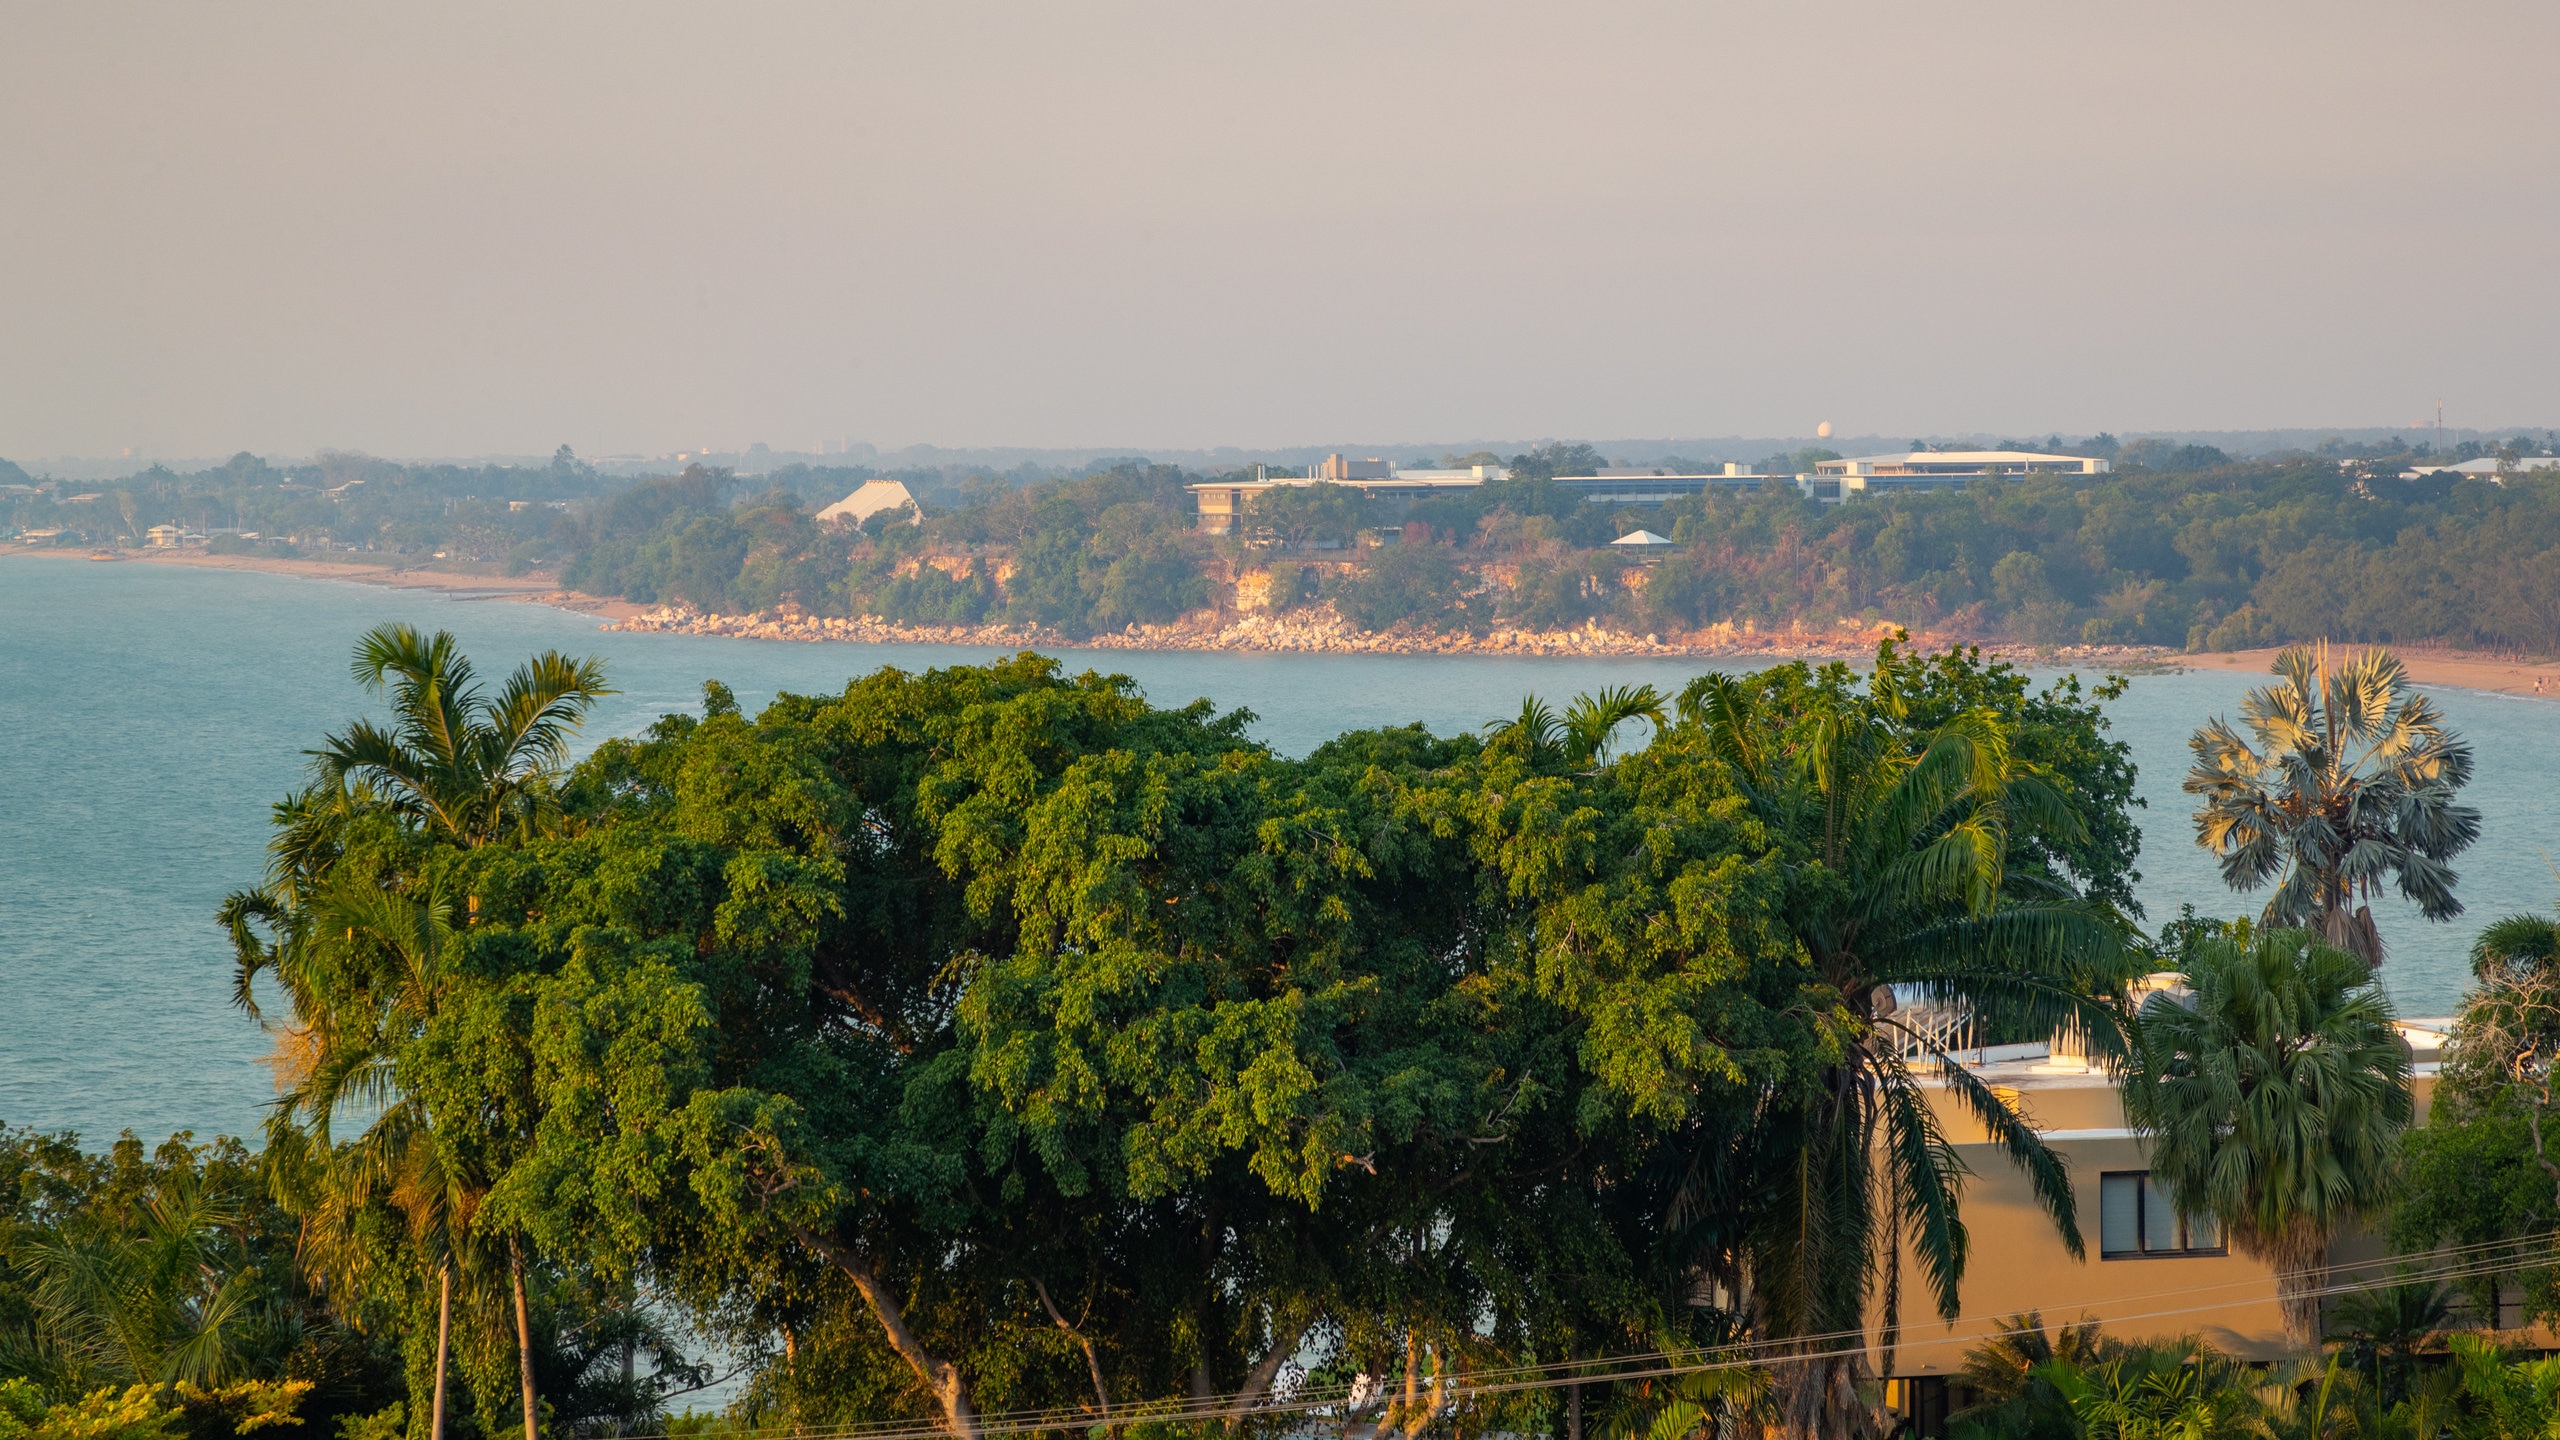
[[2148, 1272], [1221, 502], [1943, 469], [2488, 467], [1655, 484], [1338, 469]]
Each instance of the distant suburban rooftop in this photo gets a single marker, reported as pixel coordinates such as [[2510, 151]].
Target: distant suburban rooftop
[[2487, 465], [1641, 539]]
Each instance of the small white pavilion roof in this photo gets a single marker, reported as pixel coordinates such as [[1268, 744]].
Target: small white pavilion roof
[[874, 497], [1642, 540]]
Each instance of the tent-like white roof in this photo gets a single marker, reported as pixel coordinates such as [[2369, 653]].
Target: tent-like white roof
[[874, 497], [1642, 540]]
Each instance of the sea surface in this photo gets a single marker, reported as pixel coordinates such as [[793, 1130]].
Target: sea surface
[[150, 715]]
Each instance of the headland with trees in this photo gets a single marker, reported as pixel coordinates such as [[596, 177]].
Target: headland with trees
[[2178, 549]]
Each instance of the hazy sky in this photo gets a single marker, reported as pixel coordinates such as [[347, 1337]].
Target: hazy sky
[[448, 228]]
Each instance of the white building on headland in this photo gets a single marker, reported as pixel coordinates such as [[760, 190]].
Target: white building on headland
[[1831, 481], [1944, 469], [1221, 501], [874, 497]]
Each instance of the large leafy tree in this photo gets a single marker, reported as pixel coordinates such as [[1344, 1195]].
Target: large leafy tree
[[2273, 1098], [1735, 914], [1017, 1043], [2350, 783], [2485, 1168]]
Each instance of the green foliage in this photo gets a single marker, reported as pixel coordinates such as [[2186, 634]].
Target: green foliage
[[2017, 1379], [1714, 1403], [2160, 1393], [2274, 1100], [161, 1269], [1002, 1041], [2351, 782], [1408, 584], [1901, 841], [1317, 516], [2384, 1328], [2478, 1172]]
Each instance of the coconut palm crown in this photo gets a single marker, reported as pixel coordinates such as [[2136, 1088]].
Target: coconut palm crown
[[463, 764], [2350, 782]]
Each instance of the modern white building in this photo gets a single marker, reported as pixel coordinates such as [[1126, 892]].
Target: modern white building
[[1942, 469], [1654, 484], [1220, 502], [2488, 467]]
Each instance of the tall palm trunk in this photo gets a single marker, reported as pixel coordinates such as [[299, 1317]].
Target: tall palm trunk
[[524, 1337], [444, 1337]]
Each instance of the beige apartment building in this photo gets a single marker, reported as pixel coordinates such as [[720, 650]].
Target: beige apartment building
[[2148, 1273]]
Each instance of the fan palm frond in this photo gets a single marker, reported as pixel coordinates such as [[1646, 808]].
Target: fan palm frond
[[2345, 783]]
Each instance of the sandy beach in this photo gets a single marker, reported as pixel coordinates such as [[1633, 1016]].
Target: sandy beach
[[2454, 669], [536, 587]]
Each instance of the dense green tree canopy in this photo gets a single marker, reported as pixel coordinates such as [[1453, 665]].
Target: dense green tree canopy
[[992, 1040]]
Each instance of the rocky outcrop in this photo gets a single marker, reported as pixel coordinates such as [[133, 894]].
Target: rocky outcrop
[[1320, 630]]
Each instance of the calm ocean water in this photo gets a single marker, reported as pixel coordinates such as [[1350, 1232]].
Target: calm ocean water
[[149, 715]]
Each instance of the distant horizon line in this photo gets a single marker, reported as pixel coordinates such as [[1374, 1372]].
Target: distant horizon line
[[2249, 441]]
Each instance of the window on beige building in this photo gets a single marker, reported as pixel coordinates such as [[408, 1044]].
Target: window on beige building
[[2136, 1221]]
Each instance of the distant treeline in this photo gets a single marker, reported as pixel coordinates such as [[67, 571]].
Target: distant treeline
[[2178, 546]]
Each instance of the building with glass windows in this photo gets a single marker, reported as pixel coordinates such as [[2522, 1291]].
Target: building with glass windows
[[2147, 1272]]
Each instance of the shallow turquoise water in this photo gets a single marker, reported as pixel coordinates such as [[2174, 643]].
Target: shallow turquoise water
[[149, 716]]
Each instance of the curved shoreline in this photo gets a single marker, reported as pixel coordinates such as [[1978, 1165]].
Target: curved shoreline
[[1323, 633]]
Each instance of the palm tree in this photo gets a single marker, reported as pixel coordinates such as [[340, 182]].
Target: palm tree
[[1580, 737], [2517, 943], [369, 972], [1592, 721], [2273, 1098], [365, 968], [1903, 885], [2383, 1328], [465, 766], [157, 1302], [2350, 783], [2010, 1375]]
